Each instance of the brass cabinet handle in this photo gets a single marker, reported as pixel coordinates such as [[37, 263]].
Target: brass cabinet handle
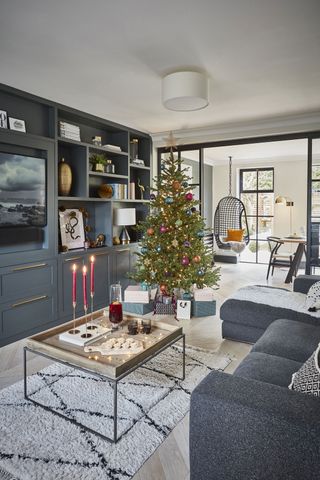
[[73, 259], [28, 267], [30, 300], [123, 250], [100, 254]]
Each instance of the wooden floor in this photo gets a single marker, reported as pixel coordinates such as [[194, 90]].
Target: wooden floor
[[171, 460]]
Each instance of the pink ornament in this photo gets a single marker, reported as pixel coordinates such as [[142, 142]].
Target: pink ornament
[[189, 196], [185, 260], [163, 229]]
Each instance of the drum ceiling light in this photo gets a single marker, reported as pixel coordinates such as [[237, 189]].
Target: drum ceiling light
[[185, 91]]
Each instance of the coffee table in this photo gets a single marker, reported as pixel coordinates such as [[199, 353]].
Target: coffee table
[[112, 368]]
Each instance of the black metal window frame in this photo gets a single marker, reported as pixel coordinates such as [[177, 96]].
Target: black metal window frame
[[256, 191]]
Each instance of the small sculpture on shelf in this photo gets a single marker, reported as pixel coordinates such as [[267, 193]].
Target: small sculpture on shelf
[[64, 178], [99, 161], [142, 189]]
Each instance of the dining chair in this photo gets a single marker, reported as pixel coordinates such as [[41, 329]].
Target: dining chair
[[277, 259]]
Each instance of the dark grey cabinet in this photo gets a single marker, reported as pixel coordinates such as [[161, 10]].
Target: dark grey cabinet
[[123, 263], [102, 279]]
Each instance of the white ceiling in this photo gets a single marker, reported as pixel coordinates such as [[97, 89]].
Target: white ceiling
[[107, 57]]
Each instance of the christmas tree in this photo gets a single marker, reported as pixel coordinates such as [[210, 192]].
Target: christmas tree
[[173, 254]]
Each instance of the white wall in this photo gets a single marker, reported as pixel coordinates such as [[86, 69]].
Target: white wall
[[290, 180]]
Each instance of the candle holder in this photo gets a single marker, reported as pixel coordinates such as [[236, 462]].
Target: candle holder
[[74, 330], [86, 334], [92, 327]]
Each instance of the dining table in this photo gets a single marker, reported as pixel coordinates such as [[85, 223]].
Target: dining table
[[300, 242]]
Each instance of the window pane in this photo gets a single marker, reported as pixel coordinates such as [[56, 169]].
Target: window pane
[[315, 172], [265, 227], [265, 180], [190, 161], [263, 252], [316, 186], [252, 224], [249, 254], [315, 210], [250, 203], [265, 204], [249, 180]]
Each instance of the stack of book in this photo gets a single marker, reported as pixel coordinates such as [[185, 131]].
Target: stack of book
[[112, 147], [120, 191], [67, 130]]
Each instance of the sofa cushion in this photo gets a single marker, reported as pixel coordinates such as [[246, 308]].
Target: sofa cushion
[[267, 368], [307, 378], [289, 339]]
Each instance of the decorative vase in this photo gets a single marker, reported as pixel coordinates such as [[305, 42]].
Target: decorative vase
[[64, 178]]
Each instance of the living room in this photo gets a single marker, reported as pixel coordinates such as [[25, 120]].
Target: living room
[[159, 240]]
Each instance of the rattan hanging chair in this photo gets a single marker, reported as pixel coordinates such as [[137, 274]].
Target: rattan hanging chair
[[230, 214]]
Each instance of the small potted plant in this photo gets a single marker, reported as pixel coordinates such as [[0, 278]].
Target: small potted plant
[[98, 161]]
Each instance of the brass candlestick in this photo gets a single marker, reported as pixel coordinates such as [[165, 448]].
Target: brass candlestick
[[92, 327], [74, 330], [86, 334]]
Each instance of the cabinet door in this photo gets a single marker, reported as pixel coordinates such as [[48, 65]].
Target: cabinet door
[[121, 267], [101, 279], [65, 286]]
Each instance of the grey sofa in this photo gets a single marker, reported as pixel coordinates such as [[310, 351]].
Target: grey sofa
[[249, 425]]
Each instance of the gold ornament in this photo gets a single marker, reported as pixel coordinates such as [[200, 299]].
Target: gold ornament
[[196, 259], [175, 243], [176, 185]]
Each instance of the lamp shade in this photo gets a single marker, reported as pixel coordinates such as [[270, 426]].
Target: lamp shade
[[280, 200], [124, 216], [185, 91]]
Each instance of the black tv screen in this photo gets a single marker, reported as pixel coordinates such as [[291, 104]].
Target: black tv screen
[[22, 191]]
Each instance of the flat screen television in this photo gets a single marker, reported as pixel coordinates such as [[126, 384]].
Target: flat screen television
[[22, 191]]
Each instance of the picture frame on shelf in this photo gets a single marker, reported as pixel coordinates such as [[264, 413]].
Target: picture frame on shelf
[[3, 119], [71, 228], [17, 124]]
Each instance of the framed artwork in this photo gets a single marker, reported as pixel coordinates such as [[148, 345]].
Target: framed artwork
[[71, 228], [17, 124], [3, 119]]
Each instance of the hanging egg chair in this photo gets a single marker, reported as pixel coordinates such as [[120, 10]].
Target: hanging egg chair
[[231, 214]]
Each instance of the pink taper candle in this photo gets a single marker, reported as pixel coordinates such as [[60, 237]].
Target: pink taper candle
[[92, 275], [74, 283], [84, 287]]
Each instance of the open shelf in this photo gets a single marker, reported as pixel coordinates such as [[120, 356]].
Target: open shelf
[[109, 175], [140, 167]]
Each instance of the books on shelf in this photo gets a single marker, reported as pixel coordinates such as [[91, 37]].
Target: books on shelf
[[132, 191], [67, 130], [120, 191]]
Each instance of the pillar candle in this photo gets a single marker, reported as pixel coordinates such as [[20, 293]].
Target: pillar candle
[[84, 287], [92, 275], [74, 283]]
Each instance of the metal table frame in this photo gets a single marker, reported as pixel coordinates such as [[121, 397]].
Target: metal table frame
[[114, 381]]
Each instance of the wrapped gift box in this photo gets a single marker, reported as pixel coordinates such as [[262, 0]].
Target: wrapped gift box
[[135, 294], [203, 309], [203, 294], [138, 308]]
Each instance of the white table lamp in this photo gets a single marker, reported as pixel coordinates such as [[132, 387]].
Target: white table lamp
[[124, 217]]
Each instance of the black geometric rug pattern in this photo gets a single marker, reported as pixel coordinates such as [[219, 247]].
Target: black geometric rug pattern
[[37, 445]]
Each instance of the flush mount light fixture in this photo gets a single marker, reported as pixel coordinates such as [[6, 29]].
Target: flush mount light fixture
[[185, 91]]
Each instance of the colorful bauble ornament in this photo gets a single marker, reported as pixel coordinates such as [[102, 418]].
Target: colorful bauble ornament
[[176, 185], [189, 196], [188, 212], [175, 243], [152, 196], [163, 229], [158, 248], [144, 286], [150, 231], [200, 234], [169, 200], [163, 288], [186, 296], [185, 184], [200, 272], [153, 274], [193, 209], [162, 166], [168, 274], [187, 244], [196, 259], [178, 223], [144, 250], [185, 260]]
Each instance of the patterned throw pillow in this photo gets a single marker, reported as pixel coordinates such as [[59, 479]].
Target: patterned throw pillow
[[313, 298], [307, 378]]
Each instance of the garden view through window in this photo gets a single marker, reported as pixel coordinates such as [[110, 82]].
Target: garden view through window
[[257, 194]]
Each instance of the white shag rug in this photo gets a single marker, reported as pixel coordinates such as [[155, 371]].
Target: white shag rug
[[38, 445]]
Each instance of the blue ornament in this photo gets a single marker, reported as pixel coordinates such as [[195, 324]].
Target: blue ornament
[[144, 250], [185, 184], [144, 286], [152, 196], [186, 243], [186, 296], [200, 272], [188, 212], [158, 248], [169, 200], [162, 166], [200, 234]]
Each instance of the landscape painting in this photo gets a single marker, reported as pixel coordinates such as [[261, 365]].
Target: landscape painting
[[22, 191]]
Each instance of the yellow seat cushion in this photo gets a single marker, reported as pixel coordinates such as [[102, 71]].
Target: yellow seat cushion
[[235, 235]]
